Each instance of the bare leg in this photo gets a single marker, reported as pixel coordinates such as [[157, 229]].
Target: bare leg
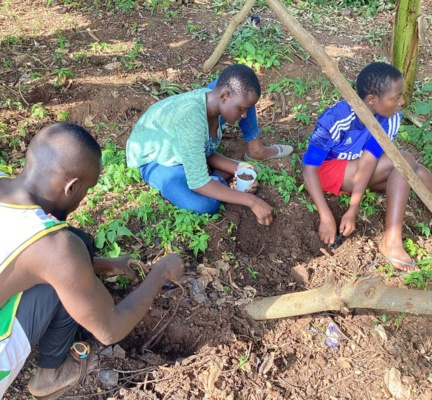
[[397, 191], [387, 178]]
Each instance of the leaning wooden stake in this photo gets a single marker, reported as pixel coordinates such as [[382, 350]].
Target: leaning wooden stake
[[233, 24], [365, 292]]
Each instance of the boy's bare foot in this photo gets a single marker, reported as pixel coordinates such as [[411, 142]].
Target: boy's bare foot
[[398, 258], [51, 383]]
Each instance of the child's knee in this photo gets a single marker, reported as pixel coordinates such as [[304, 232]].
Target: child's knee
[[409, 158]]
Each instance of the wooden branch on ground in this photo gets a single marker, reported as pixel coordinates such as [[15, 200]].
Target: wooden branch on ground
[[366, 292], [233, 24], [330, 68]]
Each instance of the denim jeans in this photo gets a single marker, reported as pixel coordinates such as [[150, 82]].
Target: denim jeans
[[172, 184], [249, 125]]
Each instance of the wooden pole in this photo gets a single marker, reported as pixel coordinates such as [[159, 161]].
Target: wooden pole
[[232, 26], [330, 68]]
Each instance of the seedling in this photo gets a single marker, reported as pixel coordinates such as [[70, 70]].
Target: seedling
[[424, 228], [63, 74], [252, 272], [63, 115], [243, 362], [420, 279], [37, 111]]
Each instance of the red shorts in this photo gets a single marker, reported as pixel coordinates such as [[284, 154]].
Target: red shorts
[[331, 175]]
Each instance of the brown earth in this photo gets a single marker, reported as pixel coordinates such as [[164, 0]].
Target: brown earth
[[211, 349]]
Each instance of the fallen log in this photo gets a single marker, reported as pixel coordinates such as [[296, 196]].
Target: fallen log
[[368, 291]]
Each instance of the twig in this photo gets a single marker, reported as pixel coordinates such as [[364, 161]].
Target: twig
[[154, 339]]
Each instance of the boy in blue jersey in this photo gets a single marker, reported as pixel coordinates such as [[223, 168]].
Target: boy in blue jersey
[[343, 156]]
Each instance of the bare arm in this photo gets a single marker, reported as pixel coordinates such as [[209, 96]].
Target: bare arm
[[83, 295], [215, 190], [365, 169], [222, 163], [117, 266], [327, 228]]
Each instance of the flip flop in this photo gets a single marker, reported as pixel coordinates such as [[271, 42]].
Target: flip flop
[[284, 150], [84, 364], [393, 261]]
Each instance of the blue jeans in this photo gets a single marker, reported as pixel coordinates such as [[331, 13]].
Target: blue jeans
[[172, 184], [249, 125]]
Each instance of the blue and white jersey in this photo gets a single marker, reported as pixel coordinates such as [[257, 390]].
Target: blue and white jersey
[[339, 134]]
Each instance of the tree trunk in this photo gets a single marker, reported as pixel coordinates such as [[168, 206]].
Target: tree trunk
[[329, 67], [366, 292], [233, 24], [406, 43]]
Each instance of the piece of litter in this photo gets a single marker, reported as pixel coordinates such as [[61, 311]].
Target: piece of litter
[[333, 334]]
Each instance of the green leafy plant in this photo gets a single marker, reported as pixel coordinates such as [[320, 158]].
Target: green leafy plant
[[420, 279], [286, 184], [63, 115], [37, 111], [243, 362], [63, 74], [258, 47], [424, 228], [252, 272], [130, 60]]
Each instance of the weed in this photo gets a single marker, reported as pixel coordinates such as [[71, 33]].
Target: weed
[[63, 74], [125, 6], [61, 41], [130, 59], [286, 184], [83, 217], [424, 228], [259, 47], [37, 111], [386, 269], [10, 41], [99, 47], [367, 204], [420, 279], [252, 272], [398, 321], [63, 115]]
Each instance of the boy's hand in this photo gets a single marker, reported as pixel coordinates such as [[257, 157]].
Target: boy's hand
[[348, 222], [327, 229], [171, 266]]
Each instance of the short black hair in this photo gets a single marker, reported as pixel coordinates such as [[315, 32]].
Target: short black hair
[[82, 137], [376, 79], [240, 79]]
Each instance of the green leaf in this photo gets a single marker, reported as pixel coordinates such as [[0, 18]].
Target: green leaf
[[99, 240], [123, 231], [249, 47]]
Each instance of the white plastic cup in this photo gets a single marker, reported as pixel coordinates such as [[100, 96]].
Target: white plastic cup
[[245, 184]]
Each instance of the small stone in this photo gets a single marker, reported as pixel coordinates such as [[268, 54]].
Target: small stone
[[118, 352], [108, 378], [107, 352]]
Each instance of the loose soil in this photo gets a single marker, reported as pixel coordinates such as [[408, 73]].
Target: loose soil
[[210, 349]]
